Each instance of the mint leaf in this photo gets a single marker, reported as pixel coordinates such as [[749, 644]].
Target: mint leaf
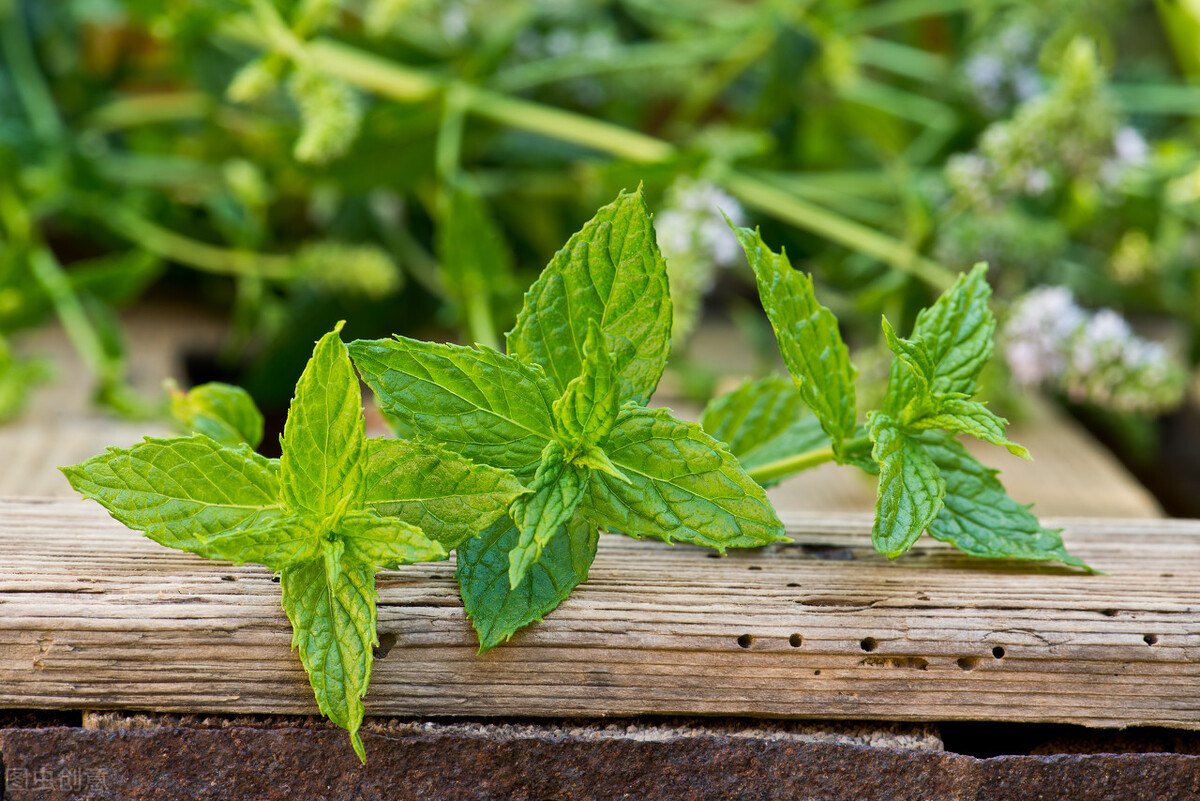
[[496, 609], [957, 334], [587, 410], [979, 517], [610, 272], [481, 404], [914, 355], [910, 488], [808, 337], [558, 489], [321, 466], [333, 626], [449, 497], [190, 493], [971, 417], [386, 542], [223, 412], [682, 485], [764, 421]]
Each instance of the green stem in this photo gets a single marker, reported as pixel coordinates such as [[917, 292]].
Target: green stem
[[630, 58], [853, 235], [480, 323], [782, 468], [187, 251], [450, 135], [53, 280], [129, 112], [27, 76], [567, 126]]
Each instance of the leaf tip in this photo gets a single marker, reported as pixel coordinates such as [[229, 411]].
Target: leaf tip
[[356, 741]]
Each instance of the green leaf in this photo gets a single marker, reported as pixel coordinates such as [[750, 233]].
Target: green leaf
[[910, 488], [764, 421], [321, 469], [481, 404], [957, 334], [971, 417], [558, 489], [449, 497], [979, 517], [498, 610], [223, 412], [333, 626], [387, 542], [808, 337], [914, 354], [611, 272], [683, 485], [588, 408], [189, 493]]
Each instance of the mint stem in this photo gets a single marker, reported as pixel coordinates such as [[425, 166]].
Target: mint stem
[[781, 468]]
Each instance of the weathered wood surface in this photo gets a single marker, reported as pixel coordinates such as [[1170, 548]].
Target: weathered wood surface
[[94, 616]]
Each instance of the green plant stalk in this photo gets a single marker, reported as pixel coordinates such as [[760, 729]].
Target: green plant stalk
[[53, 280], [630, 58], [802, 214], [27, 76], [187, 251], [1181, 20], [782, 468], [882, 15], [130, 112]]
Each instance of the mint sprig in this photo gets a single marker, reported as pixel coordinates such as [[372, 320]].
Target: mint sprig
[[927, 481], [564, 410], [330, 512]]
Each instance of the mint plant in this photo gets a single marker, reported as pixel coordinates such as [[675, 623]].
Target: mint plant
[[564, 410], [927, 480], [333, 509]]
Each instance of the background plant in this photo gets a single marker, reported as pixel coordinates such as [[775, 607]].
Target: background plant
[[293, 162]]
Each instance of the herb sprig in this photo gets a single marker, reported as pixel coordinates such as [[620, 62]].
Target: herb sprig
[[564, 410], [331, 511]]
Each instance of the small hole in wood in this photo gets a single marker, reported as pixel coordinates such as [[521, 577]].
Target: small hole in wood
[[795, 641], [275, 579], [816, 673], [228, 578], [1109, 612], [793, 584], [968, 662], [998, 652], [714, 555], [1151, 639], [868, 644], [745, 641], [386, 643], [755, 567], [1166, 575]]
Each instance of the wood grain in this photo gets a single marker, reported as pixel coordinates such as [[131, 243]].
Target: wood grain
[[95, 616]]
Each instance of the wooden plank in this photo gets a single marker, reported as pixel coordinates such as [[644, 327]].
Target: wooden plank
[[94, 616]]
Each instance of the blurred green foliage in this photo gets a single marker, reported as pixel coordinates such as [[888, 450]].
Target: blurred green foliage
[[407, 164]]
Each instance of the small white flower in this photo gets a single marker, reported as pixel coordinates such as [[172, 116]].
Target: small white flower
[[1130, 147]]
